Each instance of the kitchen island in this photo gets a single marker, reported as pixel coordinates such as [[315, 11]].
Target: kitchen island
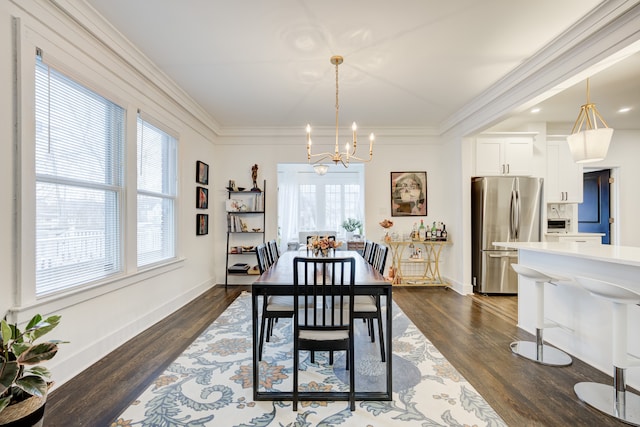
[[586, 320]]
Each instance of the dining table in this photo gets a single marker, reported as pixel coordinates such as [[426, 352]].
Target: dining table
[[278, 280]]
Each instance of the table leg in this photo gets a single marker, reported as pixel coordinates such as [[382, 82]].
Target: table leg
[[254, 328], [389, 343]]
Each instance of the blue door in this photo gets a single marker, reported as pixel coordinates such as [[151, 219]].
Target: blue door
[[594, 211]]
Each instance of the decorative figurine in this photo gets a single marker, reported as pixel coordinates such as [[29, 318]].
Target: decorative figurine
[[254, 177]]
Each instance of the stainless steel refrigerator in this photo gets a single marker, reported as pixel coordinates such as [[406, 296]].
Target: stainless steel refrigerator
[[504, 209]]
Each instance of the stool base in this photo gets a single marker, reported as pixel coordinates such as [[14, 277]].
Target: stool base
[[550, 356], [601, 397]]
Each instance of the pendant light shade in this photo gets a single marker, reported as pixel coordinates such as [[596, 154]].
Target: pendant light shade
[[590, 145], [588, 142]]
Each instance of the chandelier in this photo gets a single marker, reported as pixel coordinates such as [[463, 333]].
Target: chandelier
[[349, 153], [592, 143]]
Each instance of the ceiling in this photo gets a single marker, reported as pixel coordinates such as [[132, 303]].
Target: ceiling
[[412, 64]]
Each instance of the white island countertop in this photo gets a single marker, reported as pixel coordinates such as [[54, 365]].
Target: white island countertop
[[627, 255]]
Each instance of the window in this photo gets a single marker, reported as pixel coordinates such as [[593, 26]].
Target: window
[[310, 202], [78, 164], [157, 178]]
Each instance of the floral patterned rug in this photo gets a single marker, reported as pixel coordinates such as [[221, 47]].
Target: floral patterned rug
[[210, 384]]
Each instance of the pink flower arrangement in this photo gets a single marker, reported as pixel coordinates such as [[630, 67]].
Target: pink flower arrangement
[[321, 245]]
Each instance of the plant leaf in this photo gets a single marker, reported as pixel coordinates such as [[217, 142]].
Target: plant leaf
[[40, 371], [5, 329], [18, 348], [8, 374], [33, 322], [38, 353], [45, 326], [33, 385], [4, 402]]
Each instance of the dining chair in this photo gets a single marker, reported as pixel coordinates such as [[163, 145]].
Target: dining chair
[[264, 260], [327, 325], [274, 307], [368, 307], [379, 257], [367, 253], [274, 253]]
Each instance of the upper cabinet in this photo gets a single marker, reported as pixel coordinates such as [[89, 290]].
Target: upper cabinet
[[564, 176], [504, 154]]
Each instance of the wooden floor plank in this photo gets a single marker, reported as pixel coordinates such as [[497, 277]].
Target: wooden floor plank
[[472, 332]]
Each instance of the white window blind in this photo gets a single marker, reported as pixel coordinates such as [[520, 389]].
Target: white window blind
[[157, 182], [78, 164]]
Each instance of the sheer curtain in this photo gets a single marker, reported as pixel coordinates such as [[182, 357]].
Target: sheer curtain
[[310, 202], [287, 206]]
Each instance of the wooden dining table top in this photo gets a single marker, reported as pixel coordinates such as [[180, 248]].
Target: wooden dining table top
[[281, 273]]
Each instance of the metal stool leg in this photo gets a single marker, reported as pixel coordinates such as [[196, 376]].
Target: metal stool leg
[[614, 400]]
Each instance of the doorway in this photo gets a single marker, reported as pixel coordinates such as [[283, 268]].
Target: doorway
[[594, 213]]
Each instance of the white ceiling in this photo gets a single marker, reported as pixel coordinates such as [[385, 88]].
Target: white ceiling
[[413, 63]]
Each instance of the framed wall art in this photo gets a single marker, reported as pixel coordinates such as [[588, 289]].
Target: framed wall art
[[202, 173], [408, 193], [202, 198], [202, 224]]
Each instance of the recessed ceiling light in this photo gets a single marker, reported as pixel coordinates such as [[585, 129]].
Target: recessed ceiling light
[[535, 110], [624, 110]]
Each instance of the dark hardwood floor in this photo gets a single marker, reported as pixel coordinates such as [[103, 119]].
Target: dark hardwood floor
[[472, 332]]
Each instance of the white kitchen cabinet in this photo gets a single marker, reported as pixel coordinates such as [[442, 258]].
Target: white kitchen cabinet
[[504, 154], [564, 176]]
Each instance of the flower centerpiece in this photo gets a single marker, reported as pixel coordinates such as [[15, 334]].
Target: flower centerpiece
[[321, 245]]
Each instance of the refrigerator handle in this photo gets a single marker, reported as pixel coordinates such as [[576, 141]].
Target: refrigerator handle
[[512, 212], [517, 216]]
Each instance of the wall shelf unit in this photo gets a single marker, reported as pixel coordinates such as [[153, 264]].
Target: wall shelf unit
[[245, 230]]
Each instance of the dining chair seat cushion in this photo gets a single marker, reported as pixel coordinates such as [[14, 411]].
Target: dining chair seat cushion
[[284, 303], [364, 304], [324, 335]]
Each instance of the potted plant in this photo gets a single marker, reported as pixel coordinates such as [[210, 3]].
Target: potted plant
[[350, 225], [23, 383]]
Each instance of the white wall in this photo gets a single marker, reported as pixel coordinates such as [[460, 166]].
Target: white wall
[[392, 153], [95, 321]]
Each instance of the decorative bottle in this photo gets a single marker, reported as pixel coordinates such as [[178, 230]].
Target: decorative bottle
[[422, 232], [444, 232], [433, 231]]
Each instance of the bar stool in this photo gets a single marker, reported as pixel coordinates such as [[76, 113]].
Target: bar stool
[[538, 351], [613, 401]]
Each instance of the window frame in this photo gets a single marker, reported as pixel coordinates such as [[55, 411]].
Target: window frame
[[93, 74], [171, 193]]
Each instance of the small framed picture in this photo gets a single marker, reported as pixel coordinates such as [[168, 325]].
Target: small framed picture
[[202, 224], [202, 173], [408, 193], [202, 198]]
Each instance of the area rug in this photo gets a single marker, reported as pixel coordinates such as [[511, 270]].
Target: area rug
[[210, 384]]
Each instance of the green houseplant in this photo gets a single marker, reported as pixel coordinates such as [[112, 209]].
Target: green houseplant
[[351, 224], [22, 379]]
